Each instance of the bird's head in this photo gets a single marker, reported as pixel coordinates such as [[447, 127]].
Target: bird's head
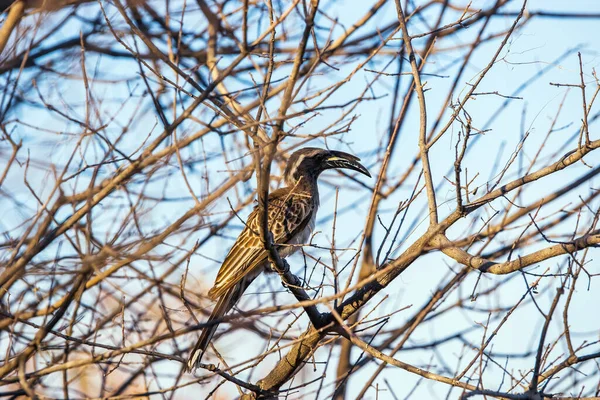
[[309, 162]]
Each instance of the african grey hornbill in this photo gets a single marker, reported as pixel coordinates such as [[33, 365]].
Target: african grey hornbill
[[291, 213]]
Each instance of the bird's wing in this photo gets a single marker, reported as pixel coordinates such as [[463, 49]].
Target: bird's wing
[[289, 213]]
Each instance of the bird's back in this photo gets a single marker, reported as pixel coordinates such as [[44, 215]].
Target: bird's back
[[291, 210]]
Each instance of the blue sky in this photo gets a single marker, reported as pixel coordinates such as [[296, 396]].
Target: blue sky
[[544, 44]]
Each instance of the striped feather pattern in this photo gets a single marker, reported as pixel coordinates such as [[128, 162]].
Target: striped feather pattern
[[290, 210]]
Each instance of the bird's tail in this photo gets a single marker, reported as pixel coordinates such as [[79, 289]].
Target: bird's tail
[[225, 303]]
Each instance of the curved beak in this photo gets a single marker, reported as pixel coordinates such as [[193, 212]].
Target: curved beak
[[339, 159]]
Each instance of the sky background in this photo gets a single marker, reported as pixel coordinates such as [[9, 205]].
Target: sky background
[[544, 45]]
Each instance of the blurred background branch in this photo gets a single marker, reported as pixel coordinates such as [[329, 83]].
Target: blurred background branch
[[130, 134]]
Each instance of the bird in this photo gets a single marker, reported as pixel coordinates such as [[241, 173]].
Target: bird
[[291, 213]]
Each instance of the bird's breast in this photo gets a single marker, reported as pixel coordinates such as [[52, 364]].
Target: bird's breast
[[302, 237]]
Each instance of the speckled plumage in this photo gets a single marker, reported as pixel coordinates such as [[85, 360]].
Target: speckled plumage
[[292, 212]]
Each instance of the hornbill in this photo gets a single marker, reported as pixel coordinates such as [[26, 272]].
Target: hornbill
[[291, 212]]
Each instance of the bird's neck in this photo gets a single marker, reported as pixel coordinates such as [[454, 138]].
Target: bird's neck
[[304, 179], [306, 183]]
